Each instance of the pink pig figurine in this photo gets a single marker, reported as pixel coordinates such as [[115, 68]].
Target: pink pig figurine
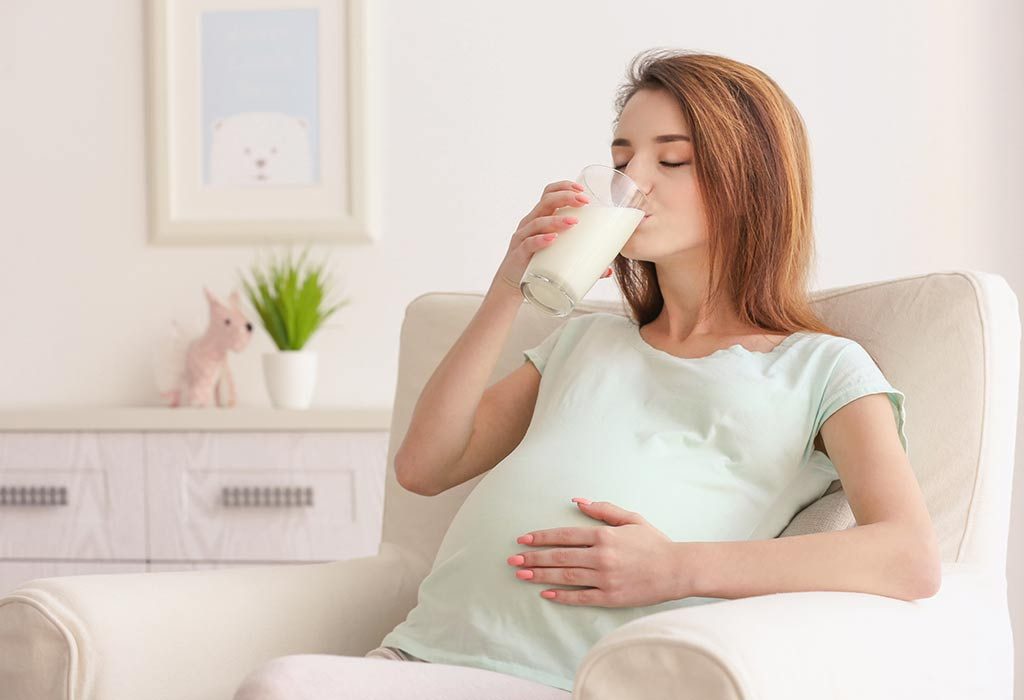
[[206, 362]]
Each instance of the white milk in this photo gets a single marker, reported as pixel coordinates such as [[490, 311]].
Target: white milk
[[577, 258]]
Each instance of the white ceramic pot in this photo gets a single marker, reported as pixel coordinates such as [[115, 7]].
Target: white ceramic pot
[[290, 376]]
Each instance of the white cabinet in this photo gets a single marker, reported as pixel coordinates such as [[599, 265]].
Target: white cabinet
[[200, 491]]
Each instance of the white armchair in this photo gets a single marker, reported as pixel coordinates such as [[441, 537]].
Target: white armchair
[[949, 340]]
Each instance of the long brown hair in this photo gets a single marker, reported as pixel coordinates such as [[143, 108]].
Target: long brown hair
[[753, 170]]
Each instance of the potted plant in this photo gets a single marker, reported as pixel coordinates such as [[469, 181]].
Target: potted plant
[[289, 298]]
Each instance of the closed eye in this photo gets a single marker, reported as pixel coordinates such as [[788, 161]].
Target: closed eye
[[670, 165]]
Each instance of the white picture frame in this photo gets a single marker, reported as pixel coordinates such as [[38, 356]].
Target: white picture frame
[[258, 122]]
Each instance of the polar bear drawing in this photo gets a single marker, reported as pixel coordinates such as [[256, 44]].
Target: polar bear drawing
[[260, 148]]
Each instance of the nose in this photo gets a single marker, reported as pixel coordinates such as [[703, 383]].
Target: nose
[[260, 163], [248, 326], [643, 183], [641, 180]]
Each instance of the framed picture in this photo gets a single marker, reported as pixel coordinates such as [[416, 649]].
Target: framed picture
[[258, 122]]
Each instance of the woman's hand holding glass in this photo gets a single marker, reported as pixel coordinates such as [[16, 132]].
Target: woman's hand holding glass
[[540, 228]]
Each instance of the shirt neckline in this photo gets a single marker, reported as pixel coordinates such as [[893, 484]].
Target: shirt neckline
[[734, 349]]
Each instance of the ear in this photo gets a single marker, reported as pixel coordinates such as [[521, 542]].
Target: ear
[[235, 299], [209, 296]]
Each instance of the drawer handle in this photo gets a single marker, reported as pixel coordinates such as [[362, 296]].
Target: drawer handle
[[275, 496], [33, 496]]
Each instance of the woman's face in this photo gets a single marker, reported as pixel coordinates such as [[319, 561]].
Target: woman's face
[[647, 148]]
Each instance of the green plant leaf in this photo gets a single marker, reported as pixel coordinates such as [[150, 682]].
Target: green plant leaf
[[289, 297]]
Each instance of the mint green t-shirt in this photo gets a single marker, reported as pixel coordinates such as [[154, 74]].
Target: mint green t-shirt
[[716, 448]]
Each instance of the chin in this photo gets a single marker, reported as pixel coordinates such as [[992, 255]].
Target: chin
[[659, 254]]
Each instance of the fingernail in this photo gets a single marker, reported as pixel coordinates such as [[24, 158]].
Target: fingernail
[[577, 186], [525, 539], [584, 501]]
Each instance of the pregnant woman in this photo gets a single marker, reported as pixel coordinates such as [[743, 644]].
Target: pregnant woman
[[639, 464]]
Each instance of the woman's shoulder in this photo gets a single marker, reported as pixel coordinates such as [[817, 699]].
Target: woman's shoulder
[[826, 341], [840, 343], [828, 353]]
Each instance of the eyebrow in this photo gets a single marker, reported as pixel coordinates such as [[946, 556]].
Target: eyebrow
[[664, 138]]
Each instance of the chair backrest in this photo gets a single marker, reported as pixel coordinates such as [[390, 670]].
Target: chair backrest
[[950, 341]]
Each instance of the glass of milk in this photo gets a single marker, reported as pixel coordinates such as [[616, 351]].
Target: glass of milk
[[560, 275]]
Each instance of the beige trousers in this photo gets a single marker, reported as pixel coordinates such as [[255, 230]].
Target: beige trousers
[[333, 677]]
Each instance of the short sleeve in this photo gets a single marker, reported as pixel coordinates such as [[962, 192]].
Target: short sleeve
[[539, 354], [853, 375]]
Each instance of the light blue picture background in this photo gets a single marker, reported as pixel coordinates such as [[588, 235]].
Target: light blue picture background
[[259, 61]]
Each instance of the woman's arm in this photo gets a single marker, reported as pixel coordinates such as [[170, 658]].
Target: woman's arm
[[442, 421], [892, 551]]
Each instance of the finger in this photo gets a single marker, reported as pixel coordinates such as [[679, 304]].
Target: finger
[[550, 224], [560, 536], [560, 557], [587, 596], [562, 185], [552, 201], [546, 225], [541, 240], [570, 576], [564, 198]]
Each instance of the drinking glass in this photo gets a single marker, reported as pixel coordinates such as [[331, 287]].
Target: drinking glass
[[561, 274]]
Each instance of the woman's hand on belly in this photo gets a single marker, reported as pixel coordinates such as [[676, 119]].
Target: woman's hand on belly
[[629, 564]]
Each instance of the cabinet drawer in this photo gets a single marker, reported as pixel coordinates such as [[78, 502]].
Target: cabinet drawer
[[15, 573], [265, 496], [72, 496]]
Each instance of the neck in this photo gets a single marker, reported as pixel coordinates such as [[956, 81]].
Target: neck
[[683, 283]]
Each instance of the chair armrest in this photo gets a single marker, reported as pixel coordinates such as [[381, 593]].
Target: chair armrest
[[812, 645], [192, 635]]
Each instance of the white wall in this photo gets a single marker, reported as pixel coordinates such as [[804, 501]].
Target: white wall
[[913, 109]]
